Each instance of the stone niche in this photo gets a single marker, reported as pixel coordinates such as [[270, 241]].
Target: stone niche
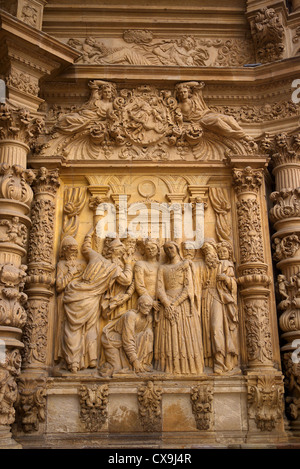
[[151, 317]]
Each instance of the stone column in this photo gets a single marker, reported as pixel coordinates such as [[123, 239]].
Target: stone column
[[265, 382], [17, 128], [285, 216], [39, 288]]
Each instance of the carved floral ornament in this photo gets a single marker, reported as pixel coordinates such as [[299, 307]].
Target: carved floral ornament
[[146, 123], [18, 124], [265, 401], [268, 34], [282, 147]]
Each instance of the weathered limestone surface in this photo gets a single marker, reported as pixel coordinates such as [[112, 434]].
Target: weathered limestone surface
[[149, 224]]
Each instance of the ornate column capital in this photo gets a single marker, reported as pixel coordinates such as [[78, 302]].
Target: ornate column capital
[[247, 180]]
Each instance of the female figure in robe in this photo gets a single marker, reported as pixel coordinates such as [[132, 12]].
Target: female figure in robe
[[98, 108], [195, 111], [178, 337]]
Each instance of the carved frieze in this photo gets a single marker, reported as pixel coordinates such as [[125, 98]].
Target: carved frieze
[[145, 123], [140, 47], [260, 112], [23, 82]]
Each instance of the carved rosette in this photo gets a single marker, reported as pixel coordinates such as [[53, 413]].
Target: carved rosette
[[202, 400], [149, 402], [40, 277], [93, 406], [253, 272]]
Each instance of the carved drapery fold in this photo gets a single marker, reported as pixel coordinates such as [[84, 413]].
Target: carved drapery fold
[[222, 208], [74, 200]]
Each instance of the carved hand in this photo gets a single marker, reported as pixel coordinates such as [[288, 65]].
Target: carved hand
[[137, 366]]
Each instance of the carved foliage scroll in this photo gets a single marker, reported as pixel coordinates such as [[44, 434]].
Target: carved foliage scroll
[[222, 208], [93, 406], [149, 399], [201, 399]]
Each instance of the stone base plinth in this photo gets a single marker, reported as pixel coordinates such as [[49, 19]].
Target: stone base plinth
[[177, 425]]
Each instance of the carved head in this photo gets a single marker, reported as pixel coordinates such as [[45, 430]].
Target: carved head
[[188, 250], [210, 254], [187, 42], [152, 248], [116, 249], [145, 304], [107, 91], [182, 91], [68, 248], [129, 241], [224, 250], [172, 249]]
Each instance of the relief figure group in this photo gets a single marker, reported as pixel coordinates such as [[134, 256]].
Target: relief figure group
[[139, 307]]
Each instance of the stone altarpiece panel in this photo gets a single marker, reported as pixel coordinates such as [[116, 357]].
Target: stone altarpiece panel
[[148, 288], [137, 295]]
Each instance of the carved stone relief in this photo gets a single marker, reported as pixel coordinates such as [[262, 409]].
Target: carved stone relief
[[93, 401], [202, 405], [268, 35], [149, 398], [265, 400], [140, 47], [148, 306], [145, 123]]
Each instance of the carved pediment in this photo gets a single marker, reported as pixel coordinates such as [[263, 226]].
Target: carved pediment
[[145, 123]]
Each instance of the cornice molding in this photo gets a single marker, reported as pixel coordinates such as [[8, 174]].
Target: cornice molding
[[12, 28]]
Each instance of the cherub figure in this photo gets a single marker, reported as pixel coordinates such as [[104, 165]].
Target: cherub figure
[[16, 232]]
